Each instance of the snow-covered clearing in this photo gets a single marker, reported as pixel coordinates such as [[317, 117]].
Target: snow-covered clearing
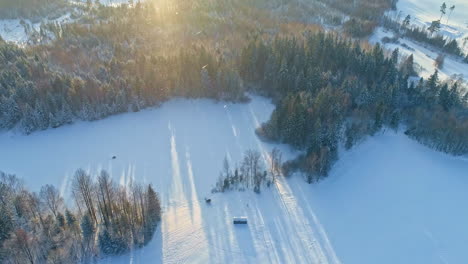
[[14, 30], [422, 13], [109, 2], [115, 2], [389, 200], [423, 56]]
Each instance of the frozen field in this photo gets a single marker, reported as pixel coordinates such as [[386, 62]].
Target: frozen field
[[109, 2], [425, 11], [389, 200], [422, 12], [12, 30], [423, 56]]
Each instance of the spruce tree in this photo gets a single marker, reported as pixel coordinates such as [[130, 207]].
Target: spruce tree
[[60, 220], [71, 219], [87, 227], [153, 212], [28, 124], [6, 224]]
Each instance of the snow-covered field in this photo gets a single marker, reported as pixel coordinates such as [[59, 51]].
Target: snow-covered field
[[423, 56], [109, 2], [389, 200], [12, 30], [422, 12]]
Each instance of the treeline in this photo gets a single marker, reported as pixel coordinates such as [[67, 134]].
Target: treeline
[[113, 61], [108, 219], [359, 29], [251, 174], [35, 97], [330, 91], [438, 115], [425, 35]]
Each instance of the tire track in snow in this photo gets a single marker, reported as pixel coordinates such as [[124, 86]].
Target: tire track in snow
[[302, 227]]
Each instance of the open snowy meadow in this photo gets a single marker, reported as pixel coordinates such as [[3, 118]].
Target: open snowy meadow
[[454, 25], [388, 200]]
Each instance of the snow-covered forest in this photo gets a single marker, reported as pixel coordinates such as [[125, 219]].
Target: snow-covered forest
[[330, 75], [109, 220]]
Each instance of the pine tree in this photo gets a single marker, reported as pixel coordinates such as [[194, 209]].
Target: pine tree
[[455, 95], [6, 224], [451, 11], [41, 116], [395, 120], [153, 205], [407, 66], [87, 227], [207, 83], [444, 97], [10, 112], [153, 212], [434, 27], [87, 112], [378, 119], [71, 219], [432, 90], [60, 220], [350, 136], [105, 241], [28, 124], [443, 9], [406, 21]]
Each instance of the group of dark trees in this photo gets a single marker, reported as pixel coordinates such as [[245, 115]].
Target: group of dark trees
[[329, 90], [35, 97], [364, 14], [251, 174], [108, 219], [371, 10]]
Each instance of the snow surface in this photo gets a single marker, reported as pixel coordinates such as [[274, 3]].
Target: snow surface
[[108, 2], [423, 56], [423, 12], [388, 200], [12, 30]]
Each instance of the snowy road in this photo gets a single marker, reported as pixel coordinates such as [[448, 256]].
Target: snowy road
[[389, 200]]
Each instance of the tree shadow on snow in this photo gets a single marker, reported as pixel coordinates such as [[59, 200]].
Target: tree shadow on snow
[[151, 253]]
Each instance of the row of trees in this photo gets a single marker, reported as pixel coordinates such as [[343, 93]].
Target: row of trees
[[113, 60], [330, 91], [364, 14], [366, 10], [34, 97], [108, 219], [425, 35]]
